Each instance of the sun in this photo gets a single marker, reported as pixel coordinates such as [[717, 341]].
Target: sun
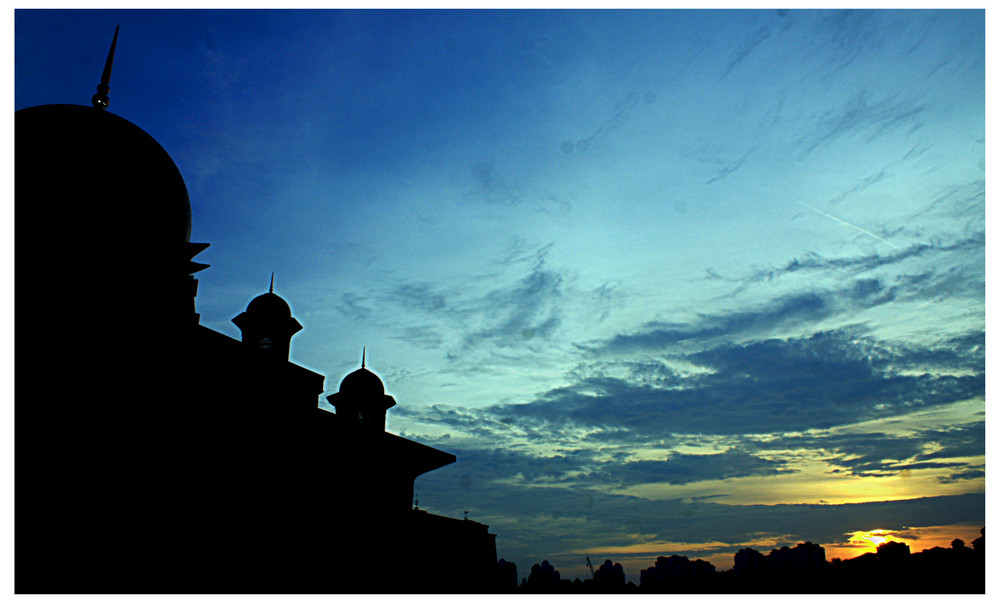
[[871, 537]]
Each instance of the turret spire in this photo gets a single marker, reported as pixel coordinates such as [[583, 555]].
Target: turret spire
[[101, 100], [271, 288], [362, 357]]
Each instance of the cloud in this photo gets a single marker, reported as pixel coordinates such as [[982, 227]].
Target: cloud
[[418, 297], [547, 470], [772, 386], [520, 251], [956, 441], [534, 519], [843, 36], [604, 298], [685, 468], [862, 184], [603, 468], [730, 167], [515, 484], [882, 454], [959, 276], [352, 307], [623, 110], [795, 310], [799, 308], [526, 311], [970, 474], [864, 116], [814, 262], [965, 200], [421, 336], [749, 44], [493, 187]]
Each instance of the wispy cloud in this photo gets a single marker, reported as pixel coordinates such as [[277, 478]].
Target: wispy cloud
[[524, 312], [353, 307], [621, 114], [793, 309], [862, 116], [418, 297], [879, 454], [844, 36], [492, 187], [863, 184], [730, 167], [857, 264], [748, 45], [679, 468]]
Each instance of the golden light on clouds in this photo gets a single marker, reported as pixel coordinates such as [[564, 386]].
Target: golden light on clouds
[[813, 481]]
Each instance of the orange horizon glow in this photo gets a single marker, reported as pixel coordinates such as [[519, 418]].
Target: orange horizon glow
[[855, 544], [918, 539]]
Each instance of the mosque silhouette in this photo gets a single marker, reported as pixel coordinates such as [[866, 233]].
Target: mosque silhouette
[[154, 455]]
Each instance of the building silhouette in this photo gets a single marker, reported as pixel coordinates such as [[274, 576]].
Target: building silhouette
[[155, 455], [892, 551], [676, 573], [748, 561]]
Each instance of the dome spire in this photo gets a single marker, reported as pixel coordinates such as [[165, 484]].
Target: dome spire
[[100, 100], [362, 356], [271, 288]]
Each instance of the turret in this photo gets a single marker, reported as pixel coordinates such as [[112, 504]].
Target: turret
[[267, 325], [362, 400]]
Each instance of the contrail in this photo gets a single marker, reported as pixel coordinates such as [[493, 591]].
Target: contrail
[[855, 227]]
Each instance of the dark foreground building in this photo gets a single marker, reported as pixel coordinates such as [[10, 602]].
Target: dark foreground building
[[154, 455]]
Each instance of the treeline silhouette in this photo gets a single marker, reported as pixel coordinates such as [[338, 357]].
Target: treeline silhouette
[[799, 569]]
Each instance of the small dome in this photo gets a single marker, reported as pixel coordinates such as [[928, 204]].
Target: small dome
[[269, 305], [267, 322], [362, 382]]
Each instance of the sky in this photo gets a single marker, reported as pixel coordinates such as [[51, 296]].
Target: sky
[[665, 282]]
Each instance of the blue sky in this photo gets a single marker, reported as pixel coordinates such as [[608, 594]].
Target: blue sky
[[664, 281]]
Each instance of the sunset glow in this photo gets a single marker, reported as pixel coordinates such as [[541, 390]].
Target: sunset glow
[[874, 537]]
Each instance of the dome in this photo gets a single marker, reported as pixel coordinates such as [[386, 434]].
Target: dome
[[362, 382], [101, 207], [269, 305], [268, 321], [104, 176]]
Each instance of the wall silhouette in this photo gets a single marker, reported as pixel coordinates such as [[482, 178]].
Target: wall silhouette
[[154, 455]]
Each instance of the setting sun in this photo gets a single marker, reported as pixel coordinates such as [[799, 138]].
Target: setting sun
[[871, 537]]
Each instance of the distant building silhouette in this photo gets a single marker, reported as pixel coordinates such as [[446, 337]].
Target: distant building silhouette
[[748, 561], [543, 578], [892, 551], [506, 576], [808, 557], [155, 455], [675, 573], [610, 575]]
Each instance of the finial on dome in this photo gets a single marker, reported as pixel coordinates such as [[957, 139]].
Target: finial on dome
[[362, 357], [271, 288], [101, 100]]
